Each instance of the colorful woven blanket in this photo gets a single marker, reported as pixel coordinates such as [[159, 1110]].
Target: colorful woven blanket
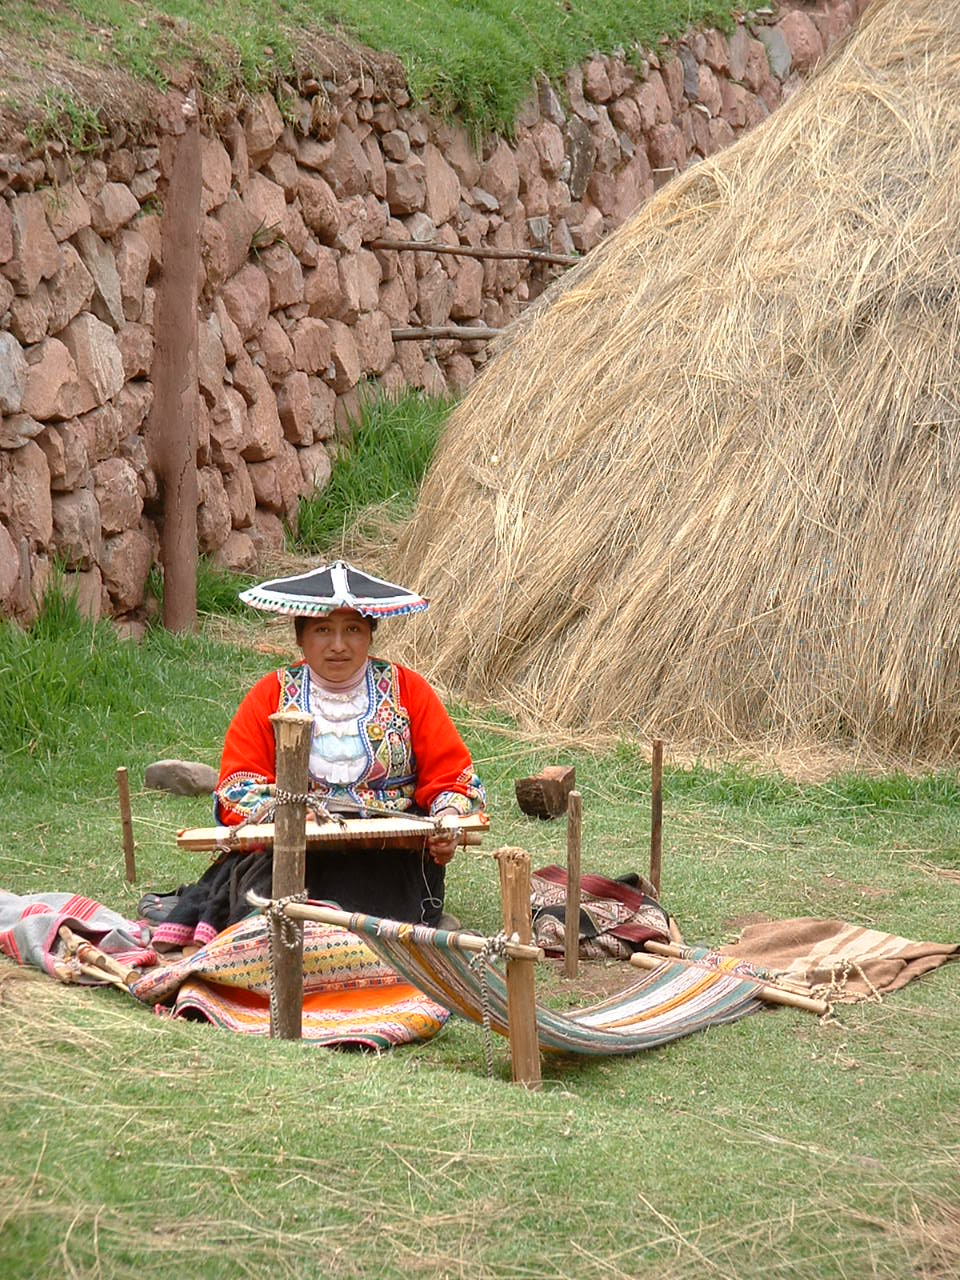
[[351, 997], [30, 928], [672, 1001]]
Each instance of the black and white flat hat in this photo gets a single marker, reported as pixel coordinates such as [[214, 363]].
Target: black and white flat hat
[[334, 586]]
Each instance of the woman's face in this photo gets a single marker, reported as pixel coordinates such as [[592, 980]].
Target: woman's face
[[336, 644]]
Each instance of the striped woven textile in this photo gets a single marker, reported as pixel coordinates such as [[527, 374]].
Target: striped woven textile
[[672, 1001], [350, 997]]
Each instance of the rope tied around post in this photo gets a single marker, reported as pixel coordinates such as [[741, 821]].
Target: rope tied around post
[[282, 796], [290, 935], [493, 949], [288, 930]]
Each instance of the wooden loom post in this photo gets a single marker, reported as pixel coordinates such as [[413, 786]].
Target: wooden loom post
[[126, 822], [292, 733], [521, 996], [656, 813], [571, 928]]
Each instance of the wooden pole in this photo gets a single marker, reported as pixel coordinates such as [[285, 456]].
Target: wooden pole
[[172, 428], [656, 813], [768, 993], [465, 333], [463, 941], [471, 251], [292, 733], [571, 929], [126, 822], [521, 996]]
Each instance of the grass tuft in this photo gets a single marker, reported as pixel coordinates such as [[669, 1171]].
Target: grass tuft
[[380, 466]]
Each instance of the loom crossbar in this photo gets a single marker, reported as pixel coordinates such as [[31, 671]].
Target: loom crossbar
[[352, 833]]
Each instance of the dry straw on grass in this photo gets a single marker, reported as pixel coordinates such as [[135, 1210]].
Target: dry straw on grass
[[712, 490]]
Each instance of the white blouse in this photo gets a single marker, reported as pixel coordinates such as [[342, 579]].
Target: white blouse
[[337, 753]]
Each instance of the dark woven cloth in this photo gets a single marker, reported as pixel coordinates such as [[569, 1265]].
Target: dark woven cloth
[[616, 916], [394, 884]]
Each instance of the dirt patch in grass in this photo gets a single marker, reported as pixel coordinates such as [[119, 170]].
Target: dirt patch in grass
[[865, 890], [595, 980], [749, 917]]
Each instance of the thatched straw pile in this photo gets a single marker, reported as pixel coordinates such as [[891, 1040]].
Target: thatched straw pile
[[712, 490]]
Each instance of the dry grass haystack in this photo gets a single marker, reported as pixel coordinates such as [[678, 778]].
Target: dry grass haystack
[[712, 490]]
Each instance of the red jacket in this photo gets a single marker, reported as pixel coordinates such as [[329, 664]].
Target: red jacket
[[415, 755]]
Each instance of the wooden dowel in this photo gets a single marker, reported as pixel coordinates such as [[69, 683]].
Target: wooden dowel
[[678, 950], [101, 976], [347, 920], [571, 927], [521, 996], [292, 731], [768, 993], [126, 822], [470, 251], [90, 955], [656, 813], [466, 333]]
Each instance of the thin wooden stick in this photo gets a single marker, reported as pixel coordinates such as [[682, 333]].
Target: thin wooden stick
[[469, 251], [571, 928], [126, 822], [656, 814], [768, 993], [292, 731], [521, 995], [466, 333], [92, 971], [473, 942]]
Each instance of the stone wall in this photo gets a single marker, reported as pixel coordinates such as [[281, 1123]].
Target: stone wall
[[295, 307]]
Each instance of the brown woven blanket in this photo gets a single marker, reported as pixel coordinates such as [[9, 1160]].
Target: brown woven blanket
[[843, 961]]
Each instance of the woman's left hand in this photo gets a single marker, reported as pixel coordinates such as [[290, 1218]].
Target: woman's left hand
[[442, 845]]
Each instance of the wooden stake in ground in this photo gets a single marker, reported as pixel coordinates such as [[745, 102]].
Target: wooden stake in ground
[[656, 813], [126, 822], [292, 733], [571, 930], [521, 995]]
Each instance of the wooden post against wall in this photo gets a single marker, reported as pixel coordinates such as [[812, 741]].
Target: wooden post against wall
[[521, 995], [292, 733], [172, 428], [571, 929], [126, 823], [656, 813]]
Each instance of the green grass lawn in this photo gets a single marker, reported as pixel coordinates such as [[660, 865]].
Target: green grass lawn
[[774, 1147], [476, 58]]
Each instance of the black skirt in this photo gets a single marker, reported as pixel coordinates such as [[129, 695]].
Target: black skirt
[[397, 884]]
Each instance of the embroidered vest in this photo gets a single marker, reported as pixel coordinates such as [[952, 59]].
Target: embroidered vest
[[389, 776]]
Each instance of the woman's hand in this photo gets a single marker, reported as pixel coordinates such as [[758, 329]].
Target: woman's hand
[[442, 845]]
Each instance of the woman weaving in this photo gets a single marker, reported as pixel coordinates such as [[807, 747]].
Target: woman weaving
[[381, 741]]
